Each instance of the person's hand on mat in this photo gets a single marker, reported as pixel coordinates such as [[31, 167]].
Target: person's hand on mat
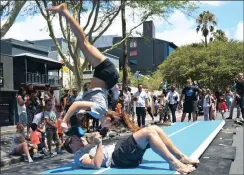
[[58, 9]]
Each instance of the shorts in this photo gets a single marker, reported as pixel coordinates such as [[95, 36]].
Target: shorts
[[190, 106], [40, 146], [107, 72], [99, 98], [127, 154], [52, 135], [23, 118]]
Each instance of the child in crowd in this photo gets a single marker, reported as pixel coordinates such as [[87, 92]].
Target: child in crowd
[[51, 130], [222, 106], [36, 141], [213, 112], [228, 97], [42, 130], [206, 104], [119, 107], [60, 115]]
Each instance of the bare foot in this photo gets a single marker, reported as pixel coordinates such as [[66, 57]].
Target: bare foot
[[187, 160], [181, 168]]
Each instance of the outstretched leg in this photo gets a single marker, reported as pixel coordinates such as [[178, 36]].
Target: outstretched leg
[[149, 136], [173, 149]]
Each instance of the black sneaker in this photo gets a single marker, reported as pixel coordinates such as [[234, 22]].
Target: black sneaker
[[229, 118], [45, 151]]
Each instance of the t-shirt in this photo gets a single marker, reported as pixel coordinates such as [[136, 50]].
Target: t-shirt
[[16, 140], [35, 137], [141, 99], [190, 93], [91, 150], [173, 97], [207, 101], [127, 98], [240, 87], [38, 118], [71, 99], [51, 116]]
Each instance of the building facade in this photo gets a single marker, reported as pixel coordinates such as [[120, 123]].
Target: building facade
[[145, 53]]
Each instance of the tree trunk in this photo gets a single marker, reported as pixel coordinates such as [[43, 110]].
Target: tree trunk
[[206, 42], [13, 15], [124, 46]]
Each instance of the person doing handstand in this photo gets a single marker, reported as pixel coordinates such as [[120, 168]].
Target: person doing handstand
[[105, 75]]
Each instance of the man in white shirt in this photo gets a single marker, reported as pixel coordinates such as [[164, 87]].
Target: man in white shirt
[[173, 99], [141, 105]]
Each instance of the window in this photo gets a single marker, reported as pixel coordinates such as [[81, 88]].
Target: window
[[133, 62], [133, 53], [53, 48], [1, 74], [133, 44]]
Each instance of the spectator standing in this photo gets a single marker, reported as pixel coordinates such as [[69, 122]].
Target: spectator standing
[[149, 108], [173, 99], [21, 106], [127, 100], [63, 100], [141, 103], [51, 130], [190, 104], [206, 104]]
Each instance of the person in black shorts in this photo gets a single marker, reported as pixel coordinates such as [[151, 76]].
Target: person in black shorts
[[128, 153], [105, 76], [190, 103]]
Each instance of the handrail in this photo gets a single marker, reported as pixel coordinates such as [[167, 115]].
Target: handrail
[[38, 78]]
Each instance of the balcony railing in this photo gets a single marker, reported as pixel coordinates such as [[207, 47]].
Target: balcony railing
[[36, 78]]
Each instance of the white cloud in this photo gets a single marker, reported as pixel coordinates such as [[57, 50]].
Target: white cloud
[[183, 31], [213, 3], [239, 31]]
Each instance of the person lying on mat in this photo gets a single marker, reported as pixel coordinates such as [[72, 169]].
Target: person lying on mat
[[128, 153], [105, 75]]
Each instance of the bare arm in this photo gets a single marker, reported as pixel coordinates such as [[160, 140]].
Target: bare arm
[[21, 102], [76, 106], [93, 162]]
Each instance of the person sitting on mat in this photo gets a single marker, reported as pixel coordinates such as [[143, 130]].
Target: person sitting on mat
[[105, 75], [128, 153]]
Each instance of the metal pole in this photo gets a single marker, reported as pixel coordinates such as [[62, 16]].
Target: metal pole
[[46, 73]]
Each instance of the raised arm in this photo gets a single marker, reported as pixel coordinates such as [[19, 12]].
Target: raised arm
[[91, 53]]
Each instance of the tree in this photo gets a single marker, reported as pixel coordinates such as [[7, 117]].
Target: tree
[[206, 22], [213, 67], [104, 10], [220, 35], [101, 16], [10, 10]]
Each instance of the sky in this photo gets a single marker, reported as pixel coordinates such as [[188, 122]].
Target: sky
[[179, 28]]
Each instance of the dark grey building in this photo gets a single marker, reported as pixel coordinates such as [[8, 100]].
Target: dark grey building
[[23, 63], [145, 53], [15, 47]]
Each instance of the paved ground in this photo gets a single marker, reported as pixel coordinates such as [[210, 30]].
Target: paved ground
[[41, 165]]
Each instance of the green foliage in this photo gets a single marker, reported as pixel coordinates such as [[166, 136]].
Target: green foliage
[[214, 67]]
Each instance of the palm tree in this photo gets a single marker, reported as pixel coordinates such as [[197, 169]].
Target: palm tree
[[206, 22], [220, 35]]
